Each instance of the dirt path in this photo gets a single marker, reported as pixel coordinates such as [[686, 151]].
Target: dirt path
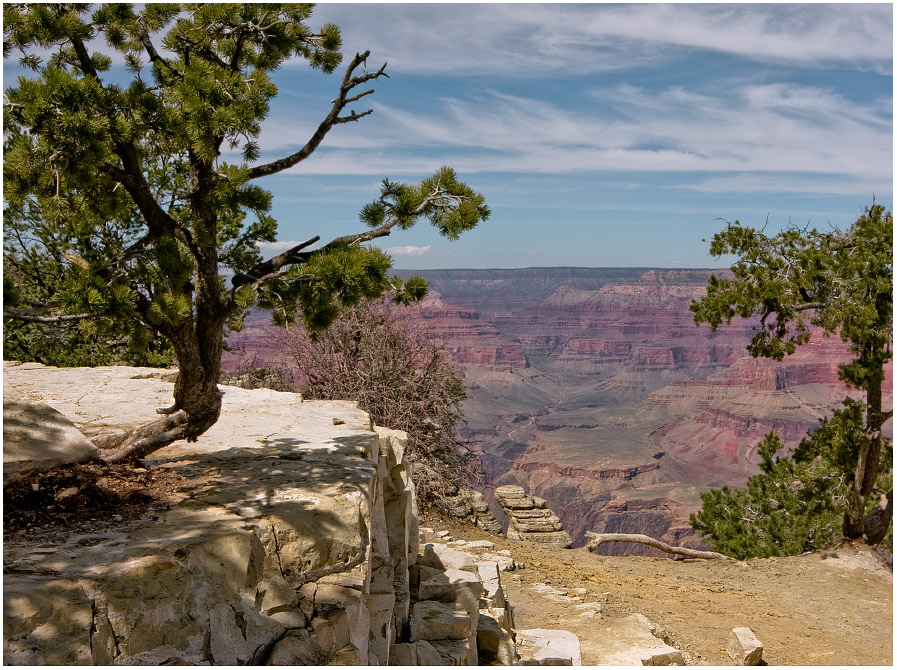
[[833, 608]]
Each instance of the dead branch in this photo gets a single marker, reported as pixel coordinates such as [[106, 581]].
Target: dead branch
[[600, 538], [333, 118]]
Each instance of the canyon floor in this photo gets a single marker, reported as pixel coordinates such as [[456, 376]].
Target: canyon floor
[[827, 608]]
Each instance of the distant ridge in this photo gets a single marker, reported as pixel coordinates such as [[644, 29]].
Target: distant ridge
[[556, 271]]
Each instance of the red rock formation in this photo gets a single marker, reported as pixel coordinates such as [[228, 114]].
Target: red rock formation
[[469, 339], [594, 389]]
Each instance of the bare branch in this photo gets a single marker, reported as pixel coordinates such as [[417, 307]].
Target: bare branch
[[808, 306], [600, 538], [333, 118], [267, 269], [33, 315]]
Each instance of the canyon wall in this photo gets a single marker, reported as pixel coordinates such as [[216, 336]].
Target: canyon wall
[[594, 389], [623, 410]]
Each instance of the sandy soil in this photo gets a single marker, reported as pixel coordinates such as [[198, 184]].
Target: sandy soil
[[829, 608]]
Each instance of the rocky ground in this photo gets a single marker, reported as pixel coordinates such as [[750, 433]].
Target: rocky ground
[[48, 506], [828, 608]]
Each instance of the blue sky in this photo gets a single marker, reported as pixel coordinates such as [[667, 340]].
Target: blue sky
[[601, 135]]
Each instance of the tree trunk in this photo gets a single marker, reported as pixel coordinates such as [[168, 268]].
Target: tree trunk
[[197, 401], [866, 473], [198, 343], [877, 523]]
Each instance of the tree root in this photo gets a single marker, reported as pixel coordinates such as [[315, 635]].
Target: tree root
[[600, 538], [143, 440]]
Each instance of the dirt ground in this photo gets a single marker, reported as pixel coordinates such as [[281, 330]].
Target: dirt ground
[[48, 506], [829, 608]]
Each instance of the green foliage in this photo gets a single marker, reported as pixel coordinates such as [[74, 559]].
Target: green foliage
[[797, 502], [121, 214], [840, 282]]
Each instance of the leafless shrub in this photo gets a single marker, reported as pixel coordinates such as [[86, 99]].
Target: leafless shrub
[[380, 355]]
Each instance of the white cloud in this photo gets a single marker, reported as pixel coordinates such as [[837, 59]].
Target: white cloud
[[791, 131], [533, 39], [279, 246], [409, 251]]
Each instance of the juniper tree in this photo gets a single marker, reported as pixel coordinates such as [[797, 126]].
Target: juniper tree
[[85, 153], [840, 281], [797, 502]]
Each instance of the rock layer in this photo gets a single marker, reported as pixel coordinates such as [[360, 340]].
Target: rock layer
[[529, 517]]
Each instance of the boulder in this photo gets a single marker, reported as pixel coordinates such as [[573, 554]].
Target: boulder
[[454, 652], [490, 575], [433, 620], [631, 640], [744, 648], [470, 506], [296, 648], [38, 437], [495, 645], [444, 557], [450, 586], [427, 654]]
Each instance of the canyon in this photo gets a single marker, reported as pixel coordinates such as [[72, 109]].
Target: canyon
[[594, 389]]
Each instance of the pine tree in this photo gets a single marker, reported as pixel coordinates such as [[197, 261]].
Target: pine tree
[[841, 282], [84, 154]]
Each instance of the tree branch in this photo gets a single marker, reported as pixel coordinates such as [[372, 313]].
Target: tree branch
[[267, 269], [154, 56], [808, 306], [32, 315], [130, 175], [600, 538], [332, 119]]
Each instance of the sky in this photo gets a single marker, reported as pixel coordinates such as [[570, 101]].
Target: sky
[[600, 134]]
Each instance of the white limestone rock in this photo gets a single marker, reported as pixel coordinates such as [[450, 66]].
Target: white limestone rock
[[432, 620], [296, 648], [493, 593], [454, 652], [495, 644], [444, 557], [744, 648], [46, 621], [38, 437], [539, 646], [630, 640]]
